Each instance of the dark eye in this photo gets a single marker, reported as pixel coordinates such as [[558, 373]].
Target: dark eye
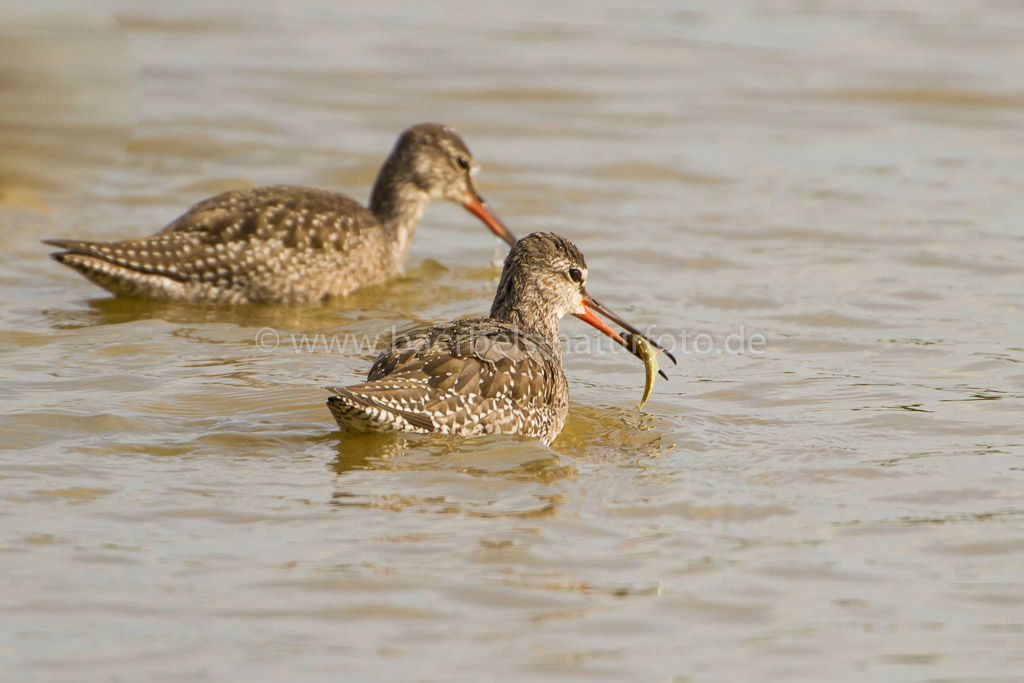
[[463, 163], [575, 275]]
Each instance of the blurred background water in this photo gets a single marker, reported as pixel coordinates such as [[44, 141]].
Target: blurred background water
[[845, 178]]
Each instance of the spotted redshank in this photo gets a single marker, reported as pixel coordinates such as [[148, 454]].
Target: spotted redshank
[[496, 375], [286, 244]]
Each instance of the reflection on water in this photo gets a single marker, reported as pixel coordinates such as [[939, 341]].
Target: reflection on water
[[493, 476], [622, 434], [846, 180]]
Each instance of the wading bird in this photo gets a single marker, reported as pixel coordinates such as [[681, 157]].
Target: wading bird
[[286, 244], [496, 375]]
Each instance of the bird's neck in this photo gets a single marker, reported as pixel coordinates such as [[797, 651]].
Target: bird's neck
[[398, 205], [519, 304]]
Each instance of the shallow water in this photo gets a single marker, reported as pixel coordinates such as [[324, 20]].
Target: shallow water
[[845, 179]]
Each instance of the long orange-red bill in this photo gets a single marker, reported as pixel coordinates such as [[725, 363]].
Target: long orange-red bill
[[632, 333], [589, 318], [615, 318], [476, 205]]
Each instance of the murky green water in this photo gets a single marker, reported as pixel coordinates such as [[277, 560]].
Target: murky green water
[[845, 179]]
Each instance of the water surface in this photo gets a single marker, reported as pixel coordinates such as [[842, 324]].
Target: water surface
[[845, 179]]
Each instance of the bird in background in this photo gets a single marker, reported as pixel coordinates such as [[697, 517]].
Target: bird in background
[[287, 244]]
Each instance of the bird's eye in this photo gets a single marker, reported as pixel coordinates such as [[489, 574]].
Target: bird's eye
[[576, 275], [463, 163]]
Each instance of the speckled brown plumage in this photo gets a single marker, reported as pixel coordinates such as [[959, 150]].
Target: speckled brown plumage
[[287, 244], [496, 375]]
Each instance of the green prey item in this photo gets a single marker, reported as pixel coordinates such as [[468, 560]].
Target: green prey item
[[649, 355]]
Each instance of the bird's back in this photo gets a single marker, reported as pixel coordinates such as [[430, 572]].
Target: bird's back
[[468, 377], [271, 244]]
